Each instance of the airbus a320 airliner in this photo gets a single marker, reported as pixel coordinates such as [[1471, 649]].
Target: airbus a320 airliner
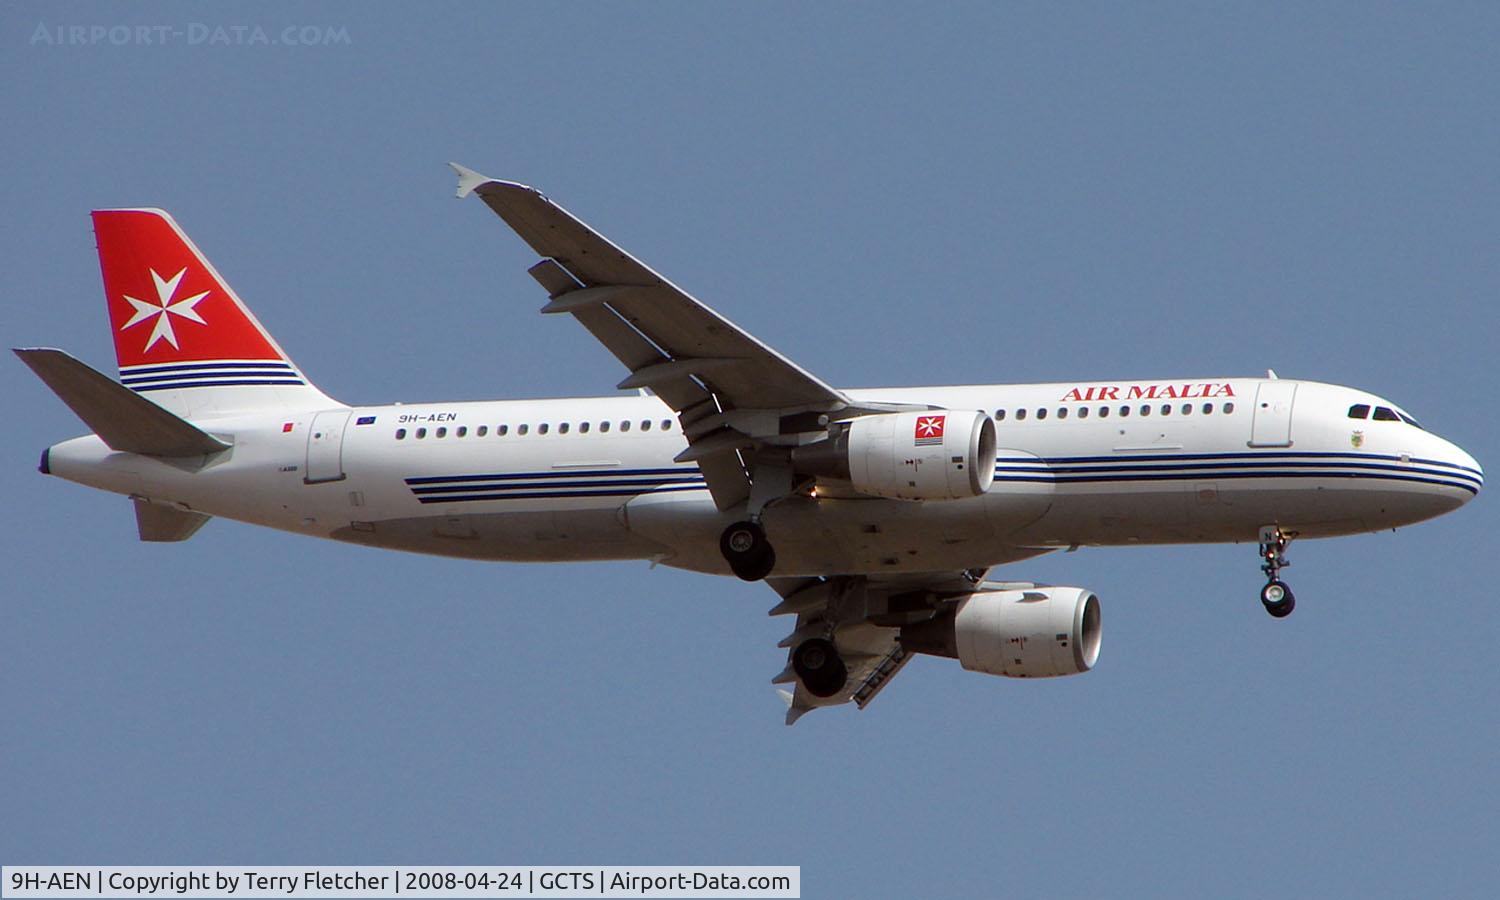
[[874, 514]]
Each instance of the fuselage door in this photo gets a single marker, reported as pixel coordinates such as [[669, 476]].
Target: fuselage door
[[325, 446], [1273, 414]]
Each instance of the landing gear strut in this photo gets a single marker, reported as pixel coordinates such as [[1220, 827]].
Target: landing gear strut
[[817, 663], [1275, 596], [747, 551]]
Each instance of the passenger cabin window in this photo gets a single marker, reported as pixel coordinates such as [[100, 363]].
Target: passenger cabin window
[[502, 430], [1166, 409], [1083, 412], [1103, 412], [1386, 414], [999, 415], [442, 432], [583, 428], [1041, 413], [421, 433], [1208, 408], [1359, 411], [1145, 410], [462, 430], [1062, 412], [1020, 414], [604, 426], [1187, 409], [1228, 408], [522, 429], [481, 431], [645, 424], [543, 428], [563, 428], [625, 426], [400, 434], [666, 424], [1124, 410]]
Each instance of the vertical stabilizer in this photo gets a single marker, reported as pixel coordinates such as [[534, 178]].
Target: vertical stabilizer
[[182, 336]]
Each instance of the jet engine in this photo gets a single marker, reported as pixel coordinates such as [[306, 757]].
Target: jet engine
[[938, 455], [1035, 632]]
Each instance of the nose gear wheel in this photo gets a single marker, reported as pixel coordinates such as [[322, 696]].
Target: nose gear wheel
[[1276, 597]]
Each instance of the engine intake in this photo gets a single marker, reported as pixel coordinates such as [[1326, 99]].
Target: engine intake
[[940, 455], [1037, 632]]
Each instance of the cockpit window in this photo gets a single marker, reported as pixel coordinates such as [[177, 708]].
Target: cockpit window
[[1382, 414]]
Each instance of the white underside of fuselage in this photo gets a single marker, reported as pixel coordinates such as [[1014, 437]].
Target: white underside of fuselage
[[1179, 477]]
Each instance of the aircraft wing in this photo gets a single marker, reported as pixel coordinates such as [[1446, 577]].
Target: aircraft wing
[[730, 390], [862, 615]]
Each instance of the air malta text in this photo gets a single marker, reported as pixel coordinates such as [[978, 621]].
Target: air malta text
[[1204, 389]]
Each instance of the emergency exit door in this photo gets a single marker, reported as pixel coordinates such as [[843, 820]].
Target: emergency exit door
[[1272, 426], [325, 447]]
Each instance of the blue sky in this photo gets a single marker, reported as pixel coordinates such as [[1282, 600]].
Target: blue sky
[[889, 195]]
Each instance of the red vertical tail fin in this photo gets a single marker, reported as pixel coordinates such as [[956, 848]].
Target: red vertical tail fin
[[182, 336]]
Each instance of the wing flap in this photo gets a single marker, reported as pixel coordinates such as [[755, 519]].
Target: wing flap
[[554, 279]]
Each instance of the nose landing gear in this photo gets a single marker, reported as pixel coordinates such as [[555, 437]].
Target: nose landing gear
[[1276, 597]]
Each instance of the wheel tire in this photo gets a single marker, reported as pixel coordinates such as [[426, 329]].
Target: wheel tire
[[819, 666], [748, 552], [1278, 599], [757, 568]]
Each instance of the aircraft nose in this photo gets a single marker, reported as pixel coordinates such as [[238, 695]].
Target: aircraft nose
[[1458, 458]]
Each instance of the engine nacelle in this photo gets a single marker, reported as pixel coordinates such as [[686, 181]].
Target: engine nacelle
[[941, 455], [1037, 632]]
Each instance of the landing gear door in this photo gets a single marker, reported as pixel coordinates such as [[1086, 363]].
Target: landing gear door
[[1273, 414], [325, 447]]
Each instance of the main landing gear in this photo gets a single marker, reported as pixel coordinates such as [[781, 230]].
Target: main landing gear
[[819, 666], [1275, 596], [747, 551]]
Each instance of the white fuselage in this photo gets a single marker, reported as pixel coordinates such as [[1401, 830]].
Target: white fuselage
[[548, 480]]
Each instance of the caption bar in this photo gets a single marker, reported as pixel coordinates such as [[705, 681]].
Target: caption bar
[[401, 881]]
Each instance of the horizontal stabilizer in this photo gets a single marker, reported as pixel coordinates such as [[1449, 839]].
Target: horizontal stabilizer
[[164, 524], [122, 418]]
